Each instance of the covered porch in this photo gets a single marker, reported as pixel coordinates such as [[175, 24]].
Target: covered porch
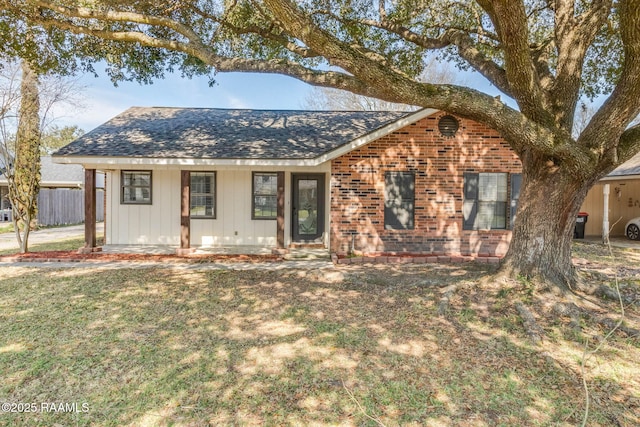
[[218, 210]]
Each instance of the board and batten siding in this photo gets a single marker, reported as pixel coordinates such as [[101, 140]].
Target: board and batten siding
[[233, 225], [154, 224], [159, 223]]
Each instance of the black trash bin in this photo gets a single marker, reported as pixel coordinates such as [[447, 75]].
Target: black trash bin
[[581, 221]]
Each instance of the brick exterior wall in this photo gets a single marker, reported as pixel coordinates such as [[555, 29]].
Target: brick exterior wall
[[358, 181]]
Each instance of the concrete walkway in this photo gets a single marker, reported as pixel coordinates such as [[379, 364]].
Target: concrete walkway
[[47, 235], [232, 266]]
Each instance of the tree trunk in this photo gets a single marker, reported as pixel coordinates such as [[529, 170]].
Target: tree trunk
[[24, 183], [550, 199]]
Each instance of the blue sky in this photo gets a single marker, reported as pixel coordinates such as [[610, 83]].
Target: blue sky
[[101, 100]]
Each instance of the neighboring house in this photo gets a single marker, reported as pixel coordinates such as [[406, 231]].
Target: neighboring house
[[420, 181], [623, 200], [56, 205]]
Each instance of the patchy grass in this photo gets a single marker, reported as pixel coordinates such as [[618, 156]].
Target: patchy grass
[[71, 244], [6, 228], [168, 346]]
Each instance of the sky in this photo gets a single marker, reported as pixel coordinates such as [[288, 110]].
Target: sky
[[101, 101]]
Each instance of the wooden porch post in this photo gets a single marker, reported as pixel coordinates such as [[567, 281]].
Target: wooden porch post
[[89, 212], [185, 214], [280, 211]]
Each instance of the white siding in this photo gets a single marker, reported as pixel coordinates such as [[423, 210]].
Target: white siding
[[159, 223], [154, 224], [233, 224]]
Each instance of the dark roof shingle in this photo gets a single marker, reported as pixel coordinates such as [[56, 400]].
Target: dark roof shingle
[[226, 134]]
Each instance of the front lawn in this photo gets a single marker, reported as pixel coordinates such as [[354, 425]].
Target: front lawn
[[359, 346], [68, 244]]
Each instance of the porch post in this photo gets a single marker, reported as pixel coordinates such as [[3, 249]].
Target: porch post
[[605, 214], [89, 211], [185, 215], [280, 211]]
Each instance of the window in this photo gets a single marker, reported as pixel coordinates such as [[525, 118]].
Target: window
[[399, 199], [203, 195], [265, 195], [136, 187], [485, 201]]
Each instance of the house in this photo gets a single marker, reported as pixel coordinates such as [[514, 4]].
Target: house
[[56, 204], [619, 195], [422, 181]]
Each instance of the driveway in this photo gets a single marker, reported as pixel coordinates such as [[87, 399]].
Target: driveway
[[46, 235], [617, 241]]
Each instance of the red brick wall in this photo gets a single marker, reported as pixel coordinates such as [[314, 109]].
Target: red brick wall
[[357, 190]]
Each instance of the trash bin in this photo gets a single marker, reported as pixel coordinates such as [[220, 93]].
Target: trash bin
[[581, 221]]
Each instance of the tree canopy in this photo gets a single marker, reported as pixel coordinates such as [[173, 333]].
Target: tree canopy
[[543, 54], [57, 137], [546, 55]]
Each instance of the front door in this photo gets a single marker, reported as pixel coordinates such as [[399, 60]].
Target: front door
[[307, 207]]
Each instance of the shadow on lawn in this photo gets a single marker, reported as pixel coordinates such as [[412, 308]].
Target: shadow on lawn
[[156, 347]]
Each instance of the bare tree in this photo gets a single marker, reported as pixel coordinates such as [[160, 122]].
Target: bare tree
[[25, 113]]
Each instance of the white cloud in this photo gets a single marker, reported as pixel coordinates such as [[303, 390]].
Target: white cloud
[[235, 102]]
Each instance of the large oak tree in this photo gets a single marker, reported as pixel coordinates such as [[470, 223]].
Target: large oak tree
[[545, 55]]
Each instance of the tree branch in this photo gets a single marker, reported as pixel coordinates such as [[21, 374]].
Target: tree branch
[[510, 19], [629, 144], [196, 48], [111, 15], [610, 121], [453, 36], [522, 133], [573, 36], [267, 33]]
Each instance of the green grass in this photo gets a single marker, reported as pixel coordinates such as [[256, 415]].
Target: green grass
[[174, 347], [6, 228], [71, 244]]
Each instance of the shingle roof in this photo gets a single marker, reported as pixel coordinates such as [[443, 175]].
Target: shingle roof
[[54, 174], [226, 134], [630, 167], [60, 173]]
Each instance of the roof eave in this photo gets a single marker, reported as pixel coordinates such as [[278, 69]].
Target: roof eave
[[619, 177], [115, 162]]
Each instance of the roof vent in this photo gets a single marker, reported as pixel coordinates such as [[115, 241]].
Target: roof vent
[[448, 125]]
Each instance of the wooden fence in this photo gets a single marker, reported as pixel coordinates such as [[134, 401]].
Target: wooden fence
[[66, 206]]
